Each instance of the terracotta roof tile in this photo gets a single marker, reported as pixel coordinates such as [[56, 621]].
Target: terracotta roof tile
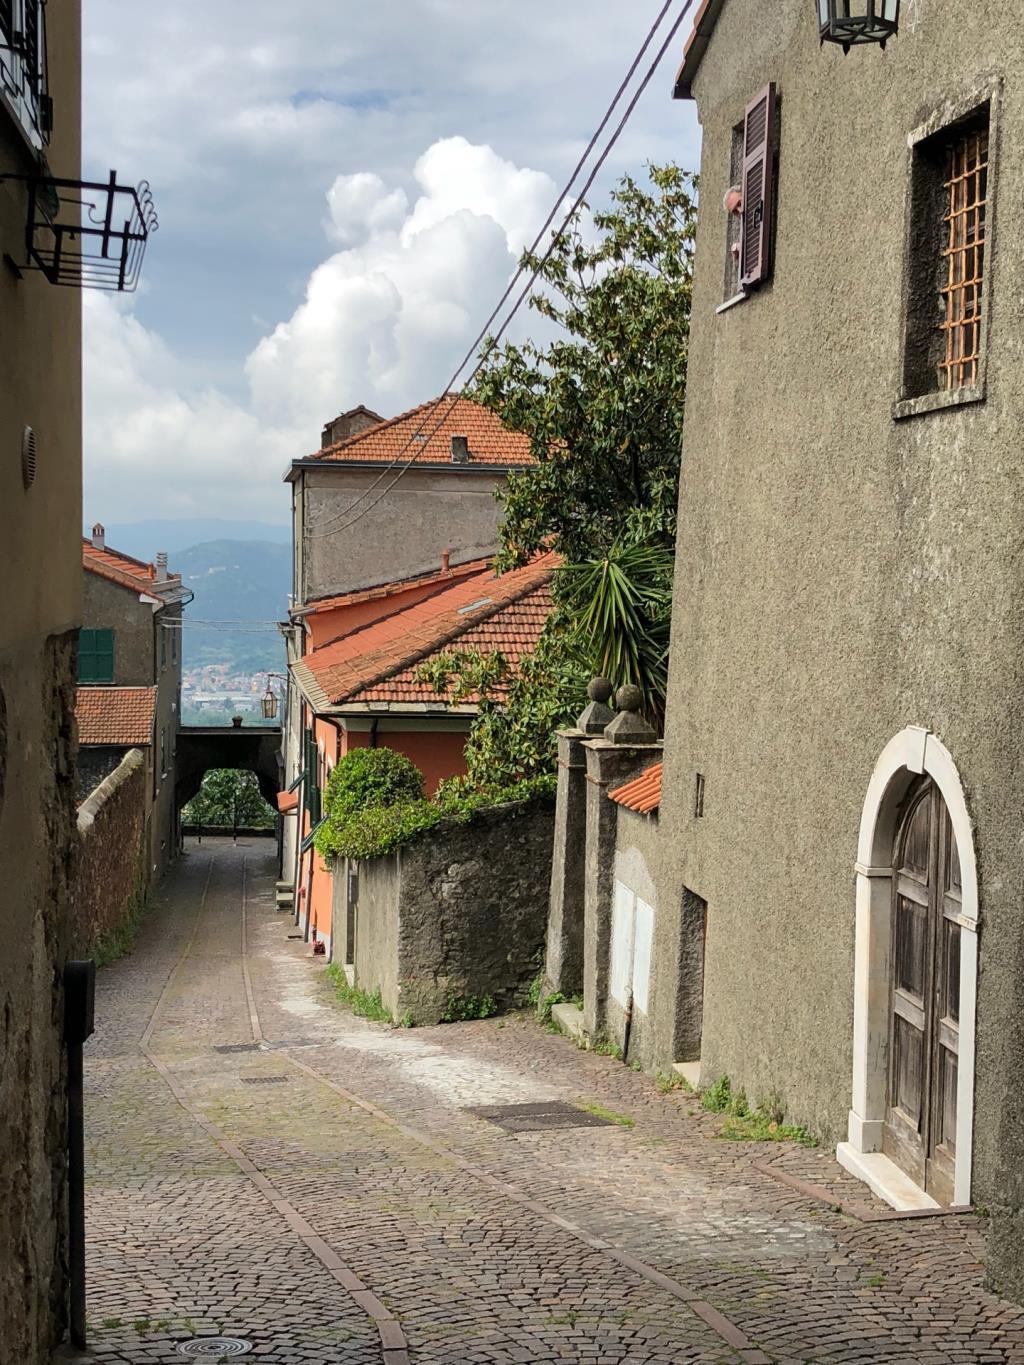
[[400, 585], [115, 715], [401, 438], [122, 569], [643, 794], [464, 614]]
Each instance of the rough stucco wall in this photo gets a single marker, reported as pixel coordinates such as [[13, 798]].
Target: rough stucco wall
[[110, 877], [407, 530], [473, 909], [376, 929], [40, 386], [841, 575], [106, 606], [636, 845], [460, 913]]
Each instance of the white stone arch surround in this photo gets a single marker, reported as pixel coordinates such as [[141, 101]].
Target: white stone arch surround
[[911, 753]]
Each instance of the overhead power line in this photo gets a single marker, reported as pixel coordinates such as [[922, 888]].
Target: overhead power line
[[334, 524]]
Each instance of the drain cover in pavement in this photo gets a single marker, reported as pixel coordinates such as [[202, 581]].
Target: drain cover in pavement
[[236, 1047], [264, 1080], [214, 1348], [528, 1118]]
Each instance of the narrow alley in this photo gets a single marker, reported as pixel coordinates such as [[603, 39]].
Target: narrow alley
[[266, 1169]]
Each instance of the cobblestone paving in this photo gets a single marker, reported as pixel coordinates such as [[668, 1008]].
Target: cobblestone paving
[[320, 1190]]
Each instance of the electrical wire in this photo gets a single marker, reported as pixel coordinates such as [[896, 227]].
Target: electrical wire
[[333, 524]]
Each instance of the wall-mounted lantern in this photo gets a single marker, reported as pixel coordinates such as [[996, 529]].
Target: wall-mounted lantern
[[853, 22], [269, 703]]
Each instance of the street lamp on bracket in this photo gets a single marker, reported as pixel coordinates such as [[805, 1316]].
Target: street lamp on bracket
[[852, 23], [269, 700]]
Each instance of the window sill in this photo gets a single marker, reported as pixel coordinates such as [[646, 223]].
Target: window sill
[[731, 303], [937, 402]]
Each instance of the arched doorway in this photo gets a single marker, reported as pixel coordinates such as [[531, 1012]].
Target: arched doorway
[[924, 1023], [915, 980]]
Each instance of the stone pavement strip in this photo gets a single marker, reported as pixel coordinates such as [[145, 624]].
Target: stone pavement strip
[[264, 1166]]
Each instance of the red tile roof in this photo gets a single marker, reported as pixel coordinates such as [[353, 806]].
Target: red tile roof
[[643, 794], [348, 599], [287, 801], [696, 46], [115, 715], [412, 436], [123, 569], [375, 662]]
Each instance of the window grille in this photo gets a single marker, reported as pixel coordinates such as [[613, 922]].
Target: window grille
[[964, 257]]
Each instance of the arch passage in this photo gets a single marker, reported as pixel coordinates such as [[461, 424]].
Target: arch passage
[[256, 750]]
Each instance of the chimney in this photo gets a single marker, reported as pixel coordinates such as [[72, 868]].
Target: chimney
[[99, 537], [161, 566], [460, 450], [446, 556], [348, 424]]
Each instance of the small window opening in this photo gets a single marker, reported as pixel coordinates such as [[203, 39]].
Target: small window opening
[[964, 253], [698, 802], [733, 206]]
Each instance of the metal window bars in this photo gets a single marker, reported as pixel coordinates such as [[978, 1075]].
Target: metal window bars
[[88, 234], [23, 66], [964, 257]]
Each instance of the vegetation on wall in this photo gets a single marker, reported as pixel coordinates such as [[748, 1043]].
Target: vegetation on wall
[[228, 798], [374, 803]]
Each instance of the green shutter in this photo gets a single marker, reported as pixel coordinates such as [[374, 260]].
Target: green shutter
[[95, 656]]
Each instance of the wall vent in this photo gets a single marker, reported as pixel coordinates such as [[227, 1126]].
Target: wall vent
[[28, 457]]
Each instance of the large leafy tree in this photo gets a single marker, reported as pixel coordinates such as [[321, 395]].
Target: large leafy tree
[[603, 401], [603, 406]]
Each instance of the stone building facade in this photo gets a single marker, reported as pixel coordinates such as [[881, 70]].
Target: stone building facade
[[843, 779], [40, 522]]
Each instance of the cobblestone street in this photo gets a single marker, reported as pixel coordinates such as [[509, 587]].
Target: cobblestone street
[[264, 1166]]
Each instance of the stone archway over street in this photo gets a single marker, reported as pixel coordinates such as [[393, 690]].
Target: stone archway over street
[[200, 748]]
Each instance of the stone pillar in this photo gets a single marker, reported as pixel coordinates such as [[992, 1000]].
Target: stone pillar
[[563, 963], [627, 747]]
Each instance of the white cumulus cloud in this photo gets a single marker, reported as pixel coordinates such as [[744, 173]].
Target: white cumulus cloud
[[383, 321]]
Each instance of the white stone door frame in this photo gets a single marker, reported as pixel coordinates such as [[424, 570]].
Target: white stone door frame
[[910, 754]]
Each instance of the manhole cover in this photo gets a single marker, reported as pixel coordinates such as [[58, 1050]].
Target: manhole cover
[[527, 1118], [214, 1348], [236, 1047], [264, 1080]]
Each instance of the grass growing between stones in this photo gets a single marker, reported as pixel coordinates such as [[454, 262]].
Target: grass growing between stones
[[120, 940], [609, 1115], [461, 1007], [364, 1003], [743, 1124]]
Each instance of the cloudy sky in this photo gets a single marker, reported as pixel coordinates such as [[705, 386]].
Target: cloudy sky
[[343, 189]]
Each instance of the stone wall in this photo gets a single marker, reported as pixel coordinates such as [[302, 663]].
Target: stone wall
[[460, 914], [111, 880]]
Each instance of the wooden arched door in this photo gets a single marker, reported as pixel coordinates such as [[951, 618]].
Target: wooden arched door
[[924, 1021]]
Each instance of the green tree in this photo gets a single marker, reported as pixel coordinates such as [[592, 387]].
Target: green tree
[[602, 402], [226, 797]]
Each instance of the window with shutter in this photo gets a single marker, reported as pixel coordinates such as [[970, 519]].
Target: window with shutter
[[95, 656], [758, 188]]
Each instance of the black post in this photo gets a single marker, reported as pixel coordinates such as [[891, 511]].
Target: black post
[[234, 819], [79, 1013]]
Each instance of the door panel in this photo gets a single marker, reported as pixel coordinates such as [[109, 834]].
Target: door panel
[[920, 1130]]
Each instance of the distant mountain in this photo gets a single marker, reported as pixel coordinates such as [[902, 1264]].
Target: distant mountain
[[144, 539], [244, 583]]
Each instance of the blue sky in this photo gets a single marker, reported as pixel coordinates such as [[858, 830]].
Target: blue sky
[[342, 190]]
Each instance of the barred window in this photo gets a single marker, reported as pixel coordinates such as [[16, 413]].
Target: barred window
[[961, 292], [947, 260]]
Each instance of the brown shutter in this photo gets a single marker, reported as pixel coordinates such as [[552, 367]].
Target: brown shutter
[[758, 186]]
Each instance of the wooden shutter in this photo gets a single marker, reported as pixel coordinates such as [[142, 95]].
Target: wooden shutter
[[758, 188], [95, 656]]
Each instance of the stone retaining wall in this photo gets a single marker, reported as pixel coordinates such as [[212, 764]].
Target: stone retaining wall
[[457, 916], [111, 881]]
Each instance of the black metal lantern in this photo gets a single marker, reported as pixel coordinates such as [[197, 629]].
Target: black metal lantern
[[852, 22], [269, 702]]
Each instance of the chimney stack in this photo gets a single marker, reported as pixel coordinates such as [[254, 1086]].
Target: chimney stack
[[446, 556], [460, 450], [161, 566], [99, 537]]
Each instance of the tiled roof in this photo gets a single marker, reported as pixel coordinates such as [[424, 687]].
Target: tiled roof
[[485, 610], [643, 794], [412, 437], [348, 599], [115, 715], [287, 801], [123, 569]]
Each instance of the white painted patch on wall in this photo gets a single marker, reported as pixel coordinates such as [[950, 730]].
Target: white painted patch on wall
[[631, 947]]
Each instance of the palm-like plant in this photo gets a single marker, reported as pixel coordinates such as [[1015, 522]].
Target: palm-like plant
[[619, 610]]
